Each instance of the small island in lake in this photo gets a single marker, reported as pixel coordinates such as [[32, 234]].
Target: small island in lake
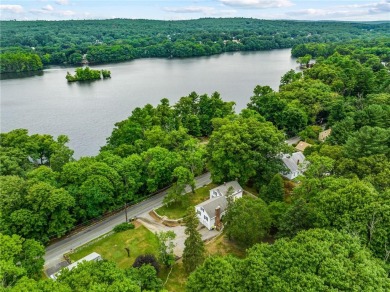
[[84, 74]]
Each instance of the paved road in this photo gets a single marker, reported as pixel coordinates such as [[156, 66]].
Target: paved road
[[54, 252]]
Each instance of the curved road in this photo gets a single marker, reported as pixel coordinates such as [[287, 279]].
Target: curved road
[[54, 253]]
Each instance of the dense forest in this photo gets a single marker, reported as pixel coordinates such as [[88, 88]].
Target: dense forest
[[102, 41], [331, 227]]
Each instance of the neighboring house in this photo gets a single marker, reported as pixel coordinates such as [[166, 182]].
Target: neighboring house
[[91, 257], [210, 212], [295, 163], [302, 146], [322, 136]]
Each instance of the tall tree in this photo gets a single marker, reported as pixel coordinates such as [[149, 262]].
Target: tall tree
[[368, 141], [317, 259], [193, 254], [166, 246], [275, 190], [182, 177], [247, 220], [244, 149], [216, 274], [19, 257]]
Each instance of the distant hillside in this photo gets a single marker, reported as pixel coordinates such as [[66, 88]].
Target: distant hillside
[[102, 41]]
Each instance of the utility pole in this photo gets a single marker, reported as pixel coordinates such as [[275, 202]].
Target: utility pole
[[126, 211]]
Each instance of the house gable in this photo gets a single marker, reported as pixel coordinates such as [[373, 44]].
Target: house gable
[[223, 190], [295, 163], [206, 211]]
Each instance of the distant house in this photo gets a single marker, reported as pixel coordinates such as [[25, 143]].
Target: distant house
[[210, 212], [295, 163], [302, 146], [324, 135], [91, 257]]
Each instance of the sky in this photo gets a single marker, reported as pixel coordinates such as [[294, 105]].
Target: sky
[[345, 10]]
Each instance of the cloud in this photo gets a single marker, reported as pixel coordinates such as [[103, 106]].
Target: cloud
[[190, 9], [48, 8], [62, 2], [51, 12], [257, 4], [381, 7], [66, 13], [205, 10], [344, 11], [12, 8]]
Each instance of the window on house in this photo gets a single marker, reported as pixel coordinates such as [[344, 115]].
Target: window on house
[[198, 212], [206, 218], [202, 209]]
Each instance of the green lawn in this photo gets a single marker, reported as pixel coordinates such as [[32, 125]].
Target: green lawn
[[139, 240], [176, 211]]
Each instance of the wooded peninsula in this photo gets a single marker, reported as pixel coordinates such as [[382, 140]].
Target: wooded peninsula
[[31, 45]]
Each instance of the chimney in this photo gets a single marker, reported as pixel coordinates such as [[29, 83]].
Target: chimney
[[218, 218]]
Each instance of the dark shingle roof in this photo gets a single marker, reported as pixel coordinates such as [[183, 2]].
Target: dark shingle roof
[[223, 189], [210, 205], [291, 161]]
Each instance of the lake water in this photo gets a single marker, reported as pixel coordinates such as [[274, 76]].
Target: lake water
[[87, 112]]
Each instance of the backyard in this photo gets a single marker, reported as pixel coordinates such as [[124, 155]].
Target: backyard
[[219, 246]]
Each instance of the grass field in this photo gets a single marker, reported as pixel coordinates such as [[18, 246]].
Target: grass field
[[176, 211], [139, 240]]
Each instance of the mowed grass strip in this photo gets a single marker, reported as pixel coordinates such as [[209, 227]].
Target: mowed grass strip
[[139, 240], [177, 211]]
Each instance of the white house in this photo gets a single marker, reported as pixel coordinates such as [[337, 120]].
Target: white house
[[295, 163], [210, 212], [91, 257]]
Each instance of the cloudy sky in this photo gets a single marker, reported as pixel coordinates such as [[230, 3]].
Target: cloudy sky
[[353, 10]]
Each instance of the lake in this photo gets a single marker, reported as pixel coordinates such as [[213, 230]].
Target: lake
[[86, 112]]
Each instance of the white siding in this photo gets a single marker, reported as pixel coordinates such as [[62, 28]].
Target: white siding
[[202, 215]]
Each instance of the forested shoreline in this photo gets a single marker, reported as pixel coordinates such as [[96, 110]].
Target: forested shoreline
[[74, 42], [331, 227]]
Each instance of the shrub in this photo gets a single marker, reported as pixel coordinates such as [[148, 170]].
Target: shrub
[[146, 259], [123, 227]]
